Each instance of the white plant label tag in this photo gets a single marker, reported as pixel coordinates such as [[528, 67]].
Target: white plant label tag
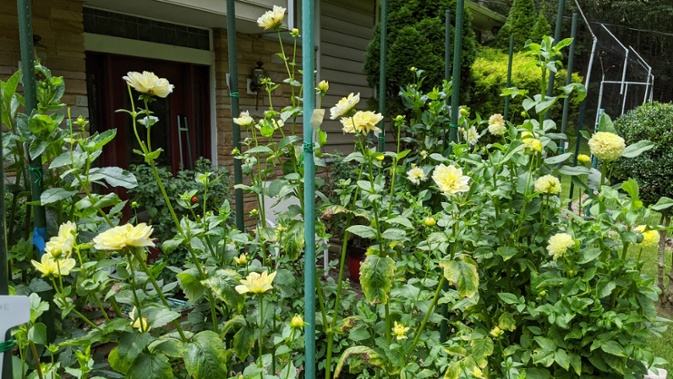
[[14, 310]]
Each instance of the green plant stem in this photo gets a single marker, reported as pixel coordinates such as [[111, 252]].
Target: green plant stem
[[522, 216], [321, 302], [160, 293], [115, 306], [425, 319], [85, 319], [102, 309], [329, 331], [33, 349], [139, 306], [386, 310], [365, 153], [394, 173], [261, 328], [289, 358]]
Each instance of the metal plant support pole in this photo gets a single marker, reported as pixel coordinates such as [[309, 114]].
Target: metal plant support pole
[[447, 47], [509, 72], [308, 66], [4, 263], [382, 73], [234, 96], [566, 101], [557, 37], [457, 56], [29, 91]]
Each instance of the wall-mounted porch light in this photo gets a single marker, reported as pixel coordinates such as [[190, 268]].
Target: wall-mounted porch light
[[39, 50], [255, 81]]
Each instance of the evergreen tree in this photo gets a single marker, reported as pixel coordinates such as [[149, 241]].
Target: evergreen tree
[[520, 20], [540, 29], [415, 38]]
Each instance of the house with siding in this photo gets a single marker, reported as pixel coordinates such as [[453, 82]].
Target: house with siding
[[93, 43]]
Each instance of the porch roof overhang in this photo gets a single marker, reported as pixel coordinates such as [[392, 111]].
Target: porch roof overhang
[[485, 19], [200, 13]]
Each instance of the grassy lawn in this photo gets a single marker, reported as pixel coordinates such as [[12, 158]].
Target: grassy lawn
[[661, 346]]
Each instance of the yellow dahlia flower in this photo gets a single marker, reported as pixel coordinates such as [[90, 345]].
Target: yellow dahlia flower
[[606, 146], [548, 184], [362, 122], [63, 243], [650, 237], [148, 83], [137, 322], [125, 235], [496, 125], [323, 86], [344, 106], [583, 158], [400, 331], [272, 19], [450, 179], [52, 267], [559, 243], [241, 259], [256, 283], [416, 175], [297, 322], [244, 119], [471, 136]]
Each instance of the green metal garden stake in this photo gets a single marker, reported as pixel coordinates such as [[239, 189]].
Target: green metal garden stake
[[234, 96], [447, 45], [566, 101], [457, 56], [308, 66], [509, 72], [30, 96], [4, 263], [382, 73], [557, 37]]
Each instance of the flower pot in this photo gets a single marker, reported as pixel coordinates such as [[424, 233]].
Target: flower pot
[[354, 257]]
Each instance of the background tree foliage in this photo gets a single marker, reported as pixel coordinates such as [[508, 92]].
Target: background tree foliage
[[643, 24], [416, 38]]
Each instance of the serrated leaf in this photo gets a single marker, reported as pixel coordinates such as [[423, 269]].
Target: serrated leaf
[[637, 148], [363, 231], [206, 357], [244, 341], [663, 203], [376, 278], [574, 170], [222, 283], [369, 355], [482, 348], [191, 285], [462, 273], [117, 177], [53, 195], [150, 366], [558, 159], [506, 322]]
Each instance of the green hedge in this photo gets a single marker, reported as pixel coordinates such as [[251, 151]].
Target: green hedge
[[653, 169], [489, 75]]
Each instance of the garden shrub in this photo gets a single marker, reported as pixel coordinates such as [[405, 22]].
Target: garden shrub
[[654, 168], [149, 198], [416, 39], [519, 20], [489, 72]]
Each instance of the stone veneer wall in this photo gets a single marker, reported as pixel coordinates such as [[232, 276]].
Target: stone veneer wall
[[59, 24]]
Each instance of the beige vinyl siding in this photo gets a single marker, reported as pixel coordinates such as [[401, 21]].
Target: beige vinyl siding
[[346, 26]]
